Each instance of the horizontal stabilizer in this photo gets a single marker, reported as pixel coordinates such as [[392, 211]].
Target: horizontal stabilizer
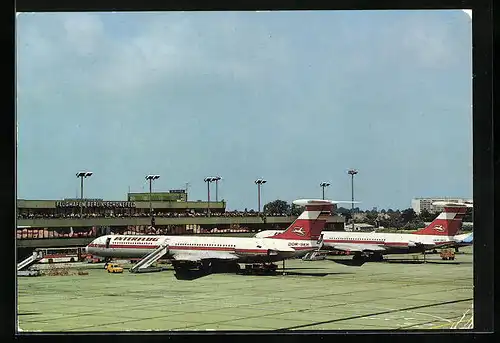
[[452, 204], [304, 202]]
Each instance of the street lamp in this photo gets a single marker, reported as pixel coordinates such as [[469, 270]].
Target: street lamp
[[187, 186], [217, 179], [82, 175], [352, 172], [323, 185], [259, 183], [150, 178], [208, 180]]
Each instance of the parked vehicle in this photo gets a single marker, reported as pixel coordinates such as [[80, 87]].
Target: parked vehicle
[[447, 254], [114, 268]]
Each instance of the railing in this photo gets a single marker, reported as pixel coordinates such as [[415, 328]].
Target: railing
[[235, 214], [36, 256], [150, 259]]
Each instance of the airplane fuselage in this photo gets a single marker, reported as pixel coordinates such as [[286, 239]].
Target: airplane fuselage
[[245, 249], [391, 243]]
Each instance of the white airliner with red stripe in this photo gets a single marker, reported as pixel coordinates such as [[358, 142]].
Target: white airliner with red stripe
[[440, 233], [301, 237]]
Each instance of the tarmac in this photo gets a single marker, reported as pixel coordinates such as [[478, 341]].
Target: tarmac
[[401, 293]]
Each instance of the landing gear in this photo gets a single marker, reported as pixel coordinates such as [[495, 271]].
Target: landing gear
[[184, 267], [177, 267], [223, 267], [358, 257], [234, 268], [260, 268], [205, 267]]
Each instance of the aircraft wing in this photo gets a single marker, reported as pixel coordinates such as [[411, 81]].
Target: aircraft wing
[[204, 255], [357, 247]]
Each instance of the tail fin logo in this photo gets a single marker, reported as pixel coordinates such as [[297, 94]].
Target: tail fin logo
[[299, 231], [439, 228]]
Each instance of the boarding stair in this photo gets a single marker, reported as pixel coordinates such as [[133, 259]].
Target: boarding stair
[[33, 258], [142, 265], [315, 255]]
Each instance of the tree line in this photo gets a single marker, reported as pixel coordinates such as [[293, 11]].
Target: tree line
[[399, 219]]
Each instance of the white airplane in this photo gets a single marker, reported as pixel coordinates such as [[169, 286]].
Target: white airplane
[[464, 240], [363, 245], [187, 252]]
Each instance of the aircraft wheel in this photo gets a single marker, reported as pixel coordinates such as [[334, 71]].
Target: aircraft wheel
[[357, 257], [234, 268], [206, 267]]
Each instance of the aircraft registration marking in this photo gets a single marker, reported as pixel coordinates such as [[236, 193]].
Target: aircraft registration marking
[[296, 244]]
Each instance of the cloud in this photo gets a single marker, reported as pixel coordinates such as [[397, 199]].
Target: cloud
[[83, 32], [162, 49], [176, 49], [127, 90], [428, 43]]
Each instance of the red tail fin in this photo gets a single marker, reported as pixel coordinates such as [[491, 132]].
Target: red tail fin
[[447, 223], [310, 223]]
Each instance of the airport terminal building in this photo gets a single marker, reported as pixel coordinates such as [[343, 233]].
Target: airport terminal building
[[50, 222]]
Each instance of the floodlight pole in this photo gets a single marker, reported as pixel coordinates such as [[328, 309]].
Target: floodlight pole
[[82, 175], [150, 178], [259, 183], [258, 206], [323, 185], [81, 189], [81, 196], [150, 198], [352, 172], [208, 196], [216, 179], [208, 180]]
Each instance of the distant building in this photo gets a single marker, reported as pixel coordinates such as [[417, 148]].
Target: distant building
[[419, 204], [359, 227], [172, 195]]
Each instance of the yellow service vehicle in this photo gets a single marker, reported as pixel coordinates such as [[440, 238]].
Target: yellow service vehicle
[[447, 254], [114, 268]]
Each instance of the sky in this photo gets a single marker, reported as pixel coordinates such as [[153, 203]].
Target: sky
[[296, 98]]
